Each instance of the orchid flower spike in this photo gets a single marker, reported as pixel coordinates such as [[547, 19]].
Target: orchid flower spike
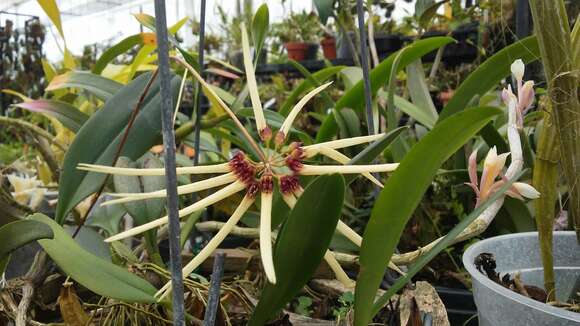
[[283, 164], [525, 98], [492, 169]]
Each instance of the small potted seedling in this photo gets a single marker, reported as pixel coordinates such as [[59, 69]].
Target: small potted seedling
[[299, 34]]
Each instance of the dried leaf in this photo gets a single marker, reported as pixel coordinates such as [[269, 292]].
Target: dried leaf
[[71, 308]]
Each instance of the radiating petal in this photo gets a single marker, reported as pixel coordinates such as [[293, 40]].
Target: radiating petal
[[266, 236], [346, 169], [312, 150], [185, 189], [201, 204], [287, 124], [341, 158], [200, 169], [212, 244], [251, 82]]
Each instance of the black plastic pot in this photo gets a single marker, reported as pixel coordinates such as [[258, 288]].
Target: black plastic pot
[[385, 43], [459, 304], [463, 51], [312, 51]]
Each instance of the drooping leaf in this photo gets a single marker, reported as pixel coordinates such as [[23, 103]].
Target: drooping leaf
[[301, 244], [401, 195], [98, 140], [94, 273], [101, 87], [260, 24], [19, 233], [68, 115], [440, 246]]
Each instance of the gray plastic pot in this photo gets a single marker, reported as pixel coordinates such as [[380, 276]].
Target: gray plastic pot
[[519, 252]]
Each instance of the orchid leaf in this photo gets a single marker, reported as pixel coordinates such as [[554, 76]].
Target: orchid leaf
[[68, 115], [102, 87]]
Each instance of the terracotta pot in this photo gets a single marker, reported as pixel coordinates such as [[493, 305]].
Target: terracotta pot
[[296, 50], [329, 47]]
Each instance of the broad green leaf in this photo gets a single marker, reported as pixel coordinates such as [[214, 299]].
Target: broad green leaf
[[177, 26], [92, 272], [379, 76], [321, 76], [260, 24], [68, 115], [490, 73], [101, 87], [19, 233], [419, 90], [324, 8], [106, 218], [401, 195], [440, 246], [98, 140], [301, 244]]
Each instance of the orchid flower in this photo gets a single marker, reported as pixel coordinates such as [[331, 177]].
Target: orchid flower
[[278, 162], [525, 96], [492, 169]]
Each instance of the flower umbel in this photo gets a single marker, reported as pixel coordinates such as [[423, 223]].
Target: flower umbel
[[277, 162]]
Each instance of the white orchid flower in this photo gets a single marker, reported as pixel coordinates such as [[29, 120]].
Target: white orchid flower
[[492, 169]]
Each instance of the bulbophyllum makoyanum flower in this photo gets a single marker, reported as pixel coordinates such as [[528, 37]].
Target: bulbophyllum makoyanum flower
[[277, 162]]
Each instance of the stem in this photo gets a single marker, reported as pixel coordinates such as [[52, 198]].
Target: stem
[[545, 180], [553, 33]]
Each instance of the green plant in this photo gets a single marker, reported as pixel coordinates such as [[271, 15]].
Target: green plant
[[298, 27]]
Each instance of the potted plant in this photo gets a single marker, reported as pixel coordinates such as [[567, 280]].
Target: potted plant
[[532, 278], [299, 33], [328, 44]]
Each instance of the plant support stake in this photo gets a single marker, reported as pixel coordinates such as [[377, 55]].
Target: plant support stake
[[365, 66], [213, 300], [198, 89], [170, 170]]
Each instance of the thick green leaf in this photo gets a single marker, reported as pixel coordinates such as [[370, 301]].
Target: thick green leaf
[[380, 76], [94, 273], [17, 234], [301, 244], [415, 112], [116, 50], [98, 140], [68, 115], [101, 87], [307, 84], [401, 195], [440, 246], [260, 24], [490, 73]]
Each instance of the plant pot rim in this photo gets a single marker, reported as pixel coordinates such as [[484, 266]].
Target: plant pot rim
[[474, 250]]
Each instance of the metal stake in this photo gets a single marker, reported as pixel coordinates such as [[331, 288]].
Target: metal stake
[[213, 300], [170, 170], [365, 66], [198, 89]]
